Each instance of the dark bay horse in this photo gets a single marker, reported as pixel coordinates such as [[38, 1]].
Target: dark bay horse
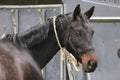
[[22, 56]]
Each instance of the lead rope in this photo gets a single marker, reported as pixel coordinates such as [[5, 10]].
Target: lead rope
[[76, 64]]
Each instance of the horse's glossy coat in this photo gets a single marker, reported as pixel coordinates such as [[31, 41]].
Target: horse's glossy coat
[[23, 55]]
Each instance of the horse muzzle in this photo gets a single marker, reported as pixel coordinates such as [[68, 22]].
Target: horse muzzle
[[89, 62]]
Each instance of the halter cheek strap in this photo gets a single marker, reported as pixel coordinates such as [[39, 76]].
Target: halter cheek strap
[[75, 54]]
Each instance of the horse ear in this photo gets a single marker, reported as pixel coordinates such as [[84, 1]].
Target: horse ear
[[89, 13], [76, 12]]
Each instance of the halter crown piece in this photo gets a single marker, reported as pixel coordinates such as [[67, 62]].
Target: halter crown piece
[[77, 65]]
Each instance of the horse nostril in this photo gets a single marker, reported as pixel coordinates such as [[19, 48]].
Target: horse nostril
[[90, 64]]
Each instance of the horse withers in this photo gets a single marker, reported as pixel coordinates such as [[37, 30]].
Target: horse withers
[[23, 55]]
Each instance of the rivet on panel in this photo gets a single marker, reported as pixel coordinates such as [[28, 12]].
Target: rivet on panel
[[39, 10], [12, 10]]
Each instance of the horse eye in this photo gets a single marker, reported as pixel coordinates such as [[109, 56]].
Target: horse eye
[[77, 32]]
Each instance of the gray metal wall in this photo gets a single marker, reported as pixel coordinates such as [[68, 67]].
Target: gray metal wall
[[6, 22], [106, 40]]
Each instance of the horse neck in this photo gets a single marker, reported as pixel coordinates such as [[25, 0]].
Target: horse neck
[[43, 50]]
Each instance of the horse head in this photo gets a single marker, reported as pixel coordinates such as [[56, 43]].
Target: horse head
[[78, 38]]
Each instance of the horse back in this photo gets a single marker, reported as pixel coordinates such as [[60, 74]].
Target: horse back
[[17, 64]]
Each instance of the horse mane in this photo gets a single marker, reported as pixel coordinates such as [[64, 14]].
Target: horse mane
[[32, 36], [36, 34]]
